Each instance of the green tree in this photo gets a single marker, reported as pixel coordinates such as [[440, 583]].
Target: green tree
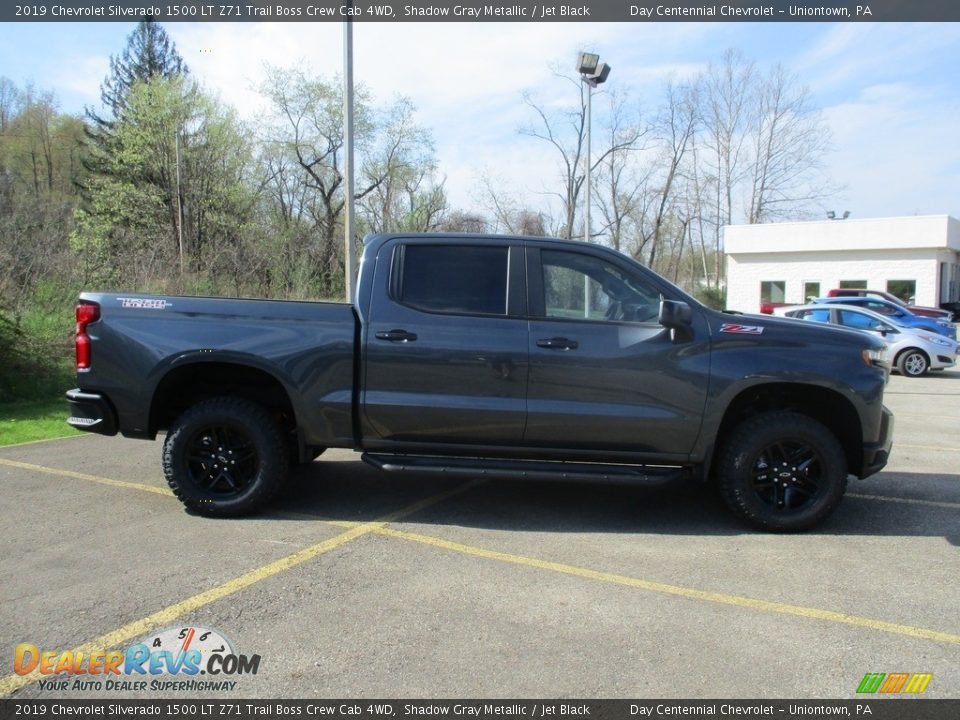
[[38, 168], [149, 54], [400, 171], [303, 141], [174, 190]]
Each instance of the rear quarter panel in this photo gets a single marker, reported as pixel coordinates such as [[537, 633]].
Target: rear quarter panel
[[306, 346]]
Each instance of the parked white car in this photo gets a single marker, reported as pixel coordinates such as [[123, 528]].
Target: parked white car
[[912, 351]]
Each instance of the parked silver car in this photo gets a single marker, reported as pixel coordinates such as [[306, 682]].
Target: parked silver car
[[912, 351]]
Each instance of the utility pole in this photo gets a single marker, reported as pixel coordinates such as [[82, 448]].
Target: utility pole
[[176, 146], [349, 241]]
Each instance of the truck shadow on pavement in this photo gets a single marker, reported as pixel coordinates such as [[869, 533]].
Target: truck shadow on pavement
[[889, 504]]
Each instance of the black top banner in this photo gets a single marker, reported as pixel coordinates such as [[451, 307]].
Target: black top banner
[[480, 11], [866, 708]]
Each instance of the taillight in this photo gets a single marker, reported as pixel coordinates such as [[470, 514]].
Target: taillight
[[86, 314]]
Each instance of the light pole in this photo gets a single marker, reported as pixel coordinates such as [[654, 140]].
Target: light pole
[[593, 73]]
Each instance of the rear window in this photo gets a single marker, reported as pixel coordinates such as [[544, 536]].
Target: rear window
[[470, 280]]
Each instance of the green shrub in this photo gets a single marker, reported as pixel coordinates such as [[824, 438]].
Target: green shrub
[[715, 298]]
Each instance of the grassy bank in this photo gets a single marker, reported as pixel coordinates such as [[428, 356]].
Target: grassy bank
[[22, 422]]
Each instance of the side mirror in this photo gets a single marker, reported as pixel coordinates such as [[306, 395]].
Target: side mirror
[[675, 315]]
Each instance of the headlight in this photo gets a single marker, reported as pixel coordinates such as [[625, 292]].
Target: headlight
[[874, 356], [936, 340]]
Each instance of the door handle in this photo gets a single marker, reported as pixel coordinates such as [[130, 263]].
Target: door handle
[[558, 343], [396, 335]]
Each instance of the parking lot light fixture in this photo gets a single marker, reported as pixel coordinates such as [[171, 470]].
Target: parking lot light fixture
[[592, 73], [587, 63]]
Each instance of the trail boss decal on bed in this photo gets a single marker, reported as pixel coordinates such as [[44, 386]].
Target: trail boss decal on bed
[[144, 303], [742, 329]]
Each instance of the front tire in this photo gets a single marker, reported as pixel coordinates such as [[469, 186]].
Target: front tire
[[225, 457], [913, 363], [782, 471]]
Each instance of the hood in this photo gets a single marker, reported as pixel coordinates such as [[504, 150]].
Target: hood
[[780, 328]]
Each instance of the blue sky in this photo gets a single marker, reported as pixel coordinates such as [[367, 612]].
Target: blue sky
[[888, 91]]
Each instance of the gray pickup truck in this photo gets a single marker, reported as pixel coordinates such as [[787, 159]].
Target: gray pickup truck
[[488, 356]]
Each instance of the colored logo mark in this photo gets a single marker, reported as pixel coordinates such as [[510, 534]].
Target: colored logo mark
[[893, 683]]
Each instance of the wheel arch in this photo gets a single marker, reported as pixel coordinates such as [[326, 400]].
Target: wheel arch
[[828, 407], [184, 385]]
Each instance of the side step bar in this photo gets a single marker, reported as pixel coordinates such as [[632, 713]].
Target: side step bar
[[525, 469]]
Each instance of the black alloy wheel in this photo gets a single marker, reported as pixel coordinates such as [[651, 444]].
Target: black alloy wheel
[[225, 457], [786, 475], [221, 460], [782, 471]]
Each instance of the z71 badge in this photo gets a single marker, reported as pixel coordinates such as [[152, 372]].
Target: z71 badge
[[742, 329]]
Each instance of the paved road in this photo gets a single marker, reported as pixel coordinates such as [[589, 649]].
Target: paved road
[[356, 584]]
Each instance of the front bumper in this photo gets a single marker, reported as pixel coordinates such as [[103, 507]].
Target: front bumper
[[91, 412], [876, 455]]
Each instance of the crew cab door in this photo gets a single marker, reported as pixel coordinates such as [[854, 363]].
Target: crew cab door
[[445, 345], [604, 374]]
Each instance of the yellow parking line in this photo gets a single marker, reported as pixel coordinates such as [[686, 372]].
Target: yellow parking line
[[908, 501], [676, 590], [356, 529], [83, 476], [170, 613], [927, 447]]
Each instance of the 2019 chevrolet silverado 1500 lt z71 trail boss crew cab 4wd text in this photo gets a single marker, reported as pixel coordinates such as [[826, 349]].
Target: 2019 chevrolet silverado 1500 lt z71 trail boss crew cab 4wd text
[[496, 356]]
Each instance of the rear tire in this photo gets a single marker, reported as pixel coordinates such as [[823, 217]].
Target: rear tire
[[225, 457], [782, 471]]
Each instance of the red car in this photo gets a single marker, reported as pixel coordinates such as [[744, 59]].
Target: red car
[[915, 309]]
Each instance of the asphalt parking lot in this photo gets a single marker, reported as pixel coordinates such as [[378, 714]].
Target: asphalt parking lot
[[356, 584]]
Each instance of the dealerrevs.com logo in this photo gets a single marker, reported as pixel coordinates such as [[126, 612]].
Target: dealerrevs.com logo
[[171, 660]]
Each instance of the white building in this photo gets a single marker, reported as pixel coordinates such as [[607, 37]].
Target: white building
[[916, 256]]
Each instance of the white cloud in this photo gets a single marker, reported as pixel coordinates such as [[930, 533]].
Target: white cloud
[[897, 151], [85, 78], [866, 53], [467, 80], [887, 89]]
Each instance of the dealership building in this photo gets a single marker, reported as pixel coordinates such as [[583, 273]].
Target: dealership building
[[915, 258]]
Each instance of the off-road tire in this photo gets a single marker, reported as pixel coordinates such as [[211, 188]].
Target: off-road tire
[[781, 471], [225, 457]]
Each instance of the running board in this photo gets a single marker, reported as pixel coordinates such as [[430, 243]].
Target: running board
[[525, 469]]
